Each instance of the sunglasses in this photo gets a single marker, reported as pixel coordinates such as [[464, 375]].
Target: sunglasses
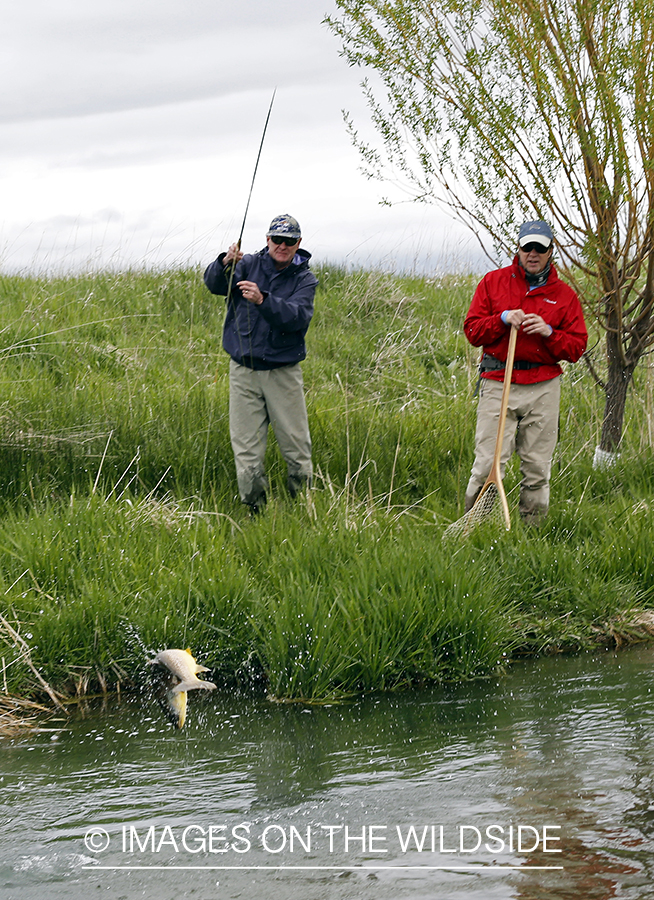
[[290, 242], [537, 247]]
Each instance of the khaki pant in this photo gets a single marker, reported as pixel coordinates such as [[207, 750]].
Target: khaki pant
[[531, 430], [258, 399]]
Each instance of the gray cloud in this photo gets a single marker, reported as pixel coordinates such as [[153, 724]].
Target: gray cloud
[[77, 58], [129, 129]]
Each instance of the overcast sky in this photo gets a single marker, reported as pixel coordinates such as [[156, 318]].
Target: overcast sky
[[129, 131]]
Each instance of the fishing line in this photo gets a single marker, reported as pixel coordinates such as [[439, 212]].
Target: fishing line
[[230, 299]]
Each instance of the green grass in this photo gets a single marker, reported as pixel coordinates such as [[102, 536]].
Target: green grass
[[120, 532]]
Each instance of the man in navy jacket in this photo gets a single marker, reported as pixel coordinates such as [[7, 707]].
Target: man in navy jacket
[[269, 298]]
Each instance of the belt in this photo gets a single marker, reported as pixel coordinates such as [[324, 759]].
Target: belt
[[491, 364]]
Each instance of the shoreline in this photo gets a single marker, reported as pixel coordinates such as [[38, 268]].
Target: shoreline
[[21, 714]]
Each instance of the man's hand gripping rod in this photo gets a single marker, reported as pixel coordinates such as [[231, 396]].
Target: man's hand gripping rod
[[247, 205]]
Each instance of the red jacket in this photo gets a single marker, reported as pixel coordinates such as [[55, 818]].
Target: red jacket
[[555, 302]]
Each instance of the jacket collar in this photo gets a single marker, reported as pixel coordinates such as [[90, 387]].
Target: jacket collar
[[300, 260], [520, 272]]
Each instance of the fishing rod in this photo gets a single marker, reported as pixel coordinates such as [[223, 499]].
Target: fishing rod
[[256, 166], [247, 205], [232, 267]]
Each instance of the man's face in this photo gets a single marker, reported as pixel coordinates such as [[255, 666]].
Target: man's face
[[534, 257], [282, 254]]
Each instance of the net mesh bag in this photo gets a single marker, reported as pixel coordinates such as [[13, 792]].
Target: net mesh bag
[[487, 510], [491, 506]]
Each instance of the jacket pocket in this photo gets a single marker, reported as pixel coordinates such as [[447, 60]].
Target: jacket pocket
[[280, 340], [245, 321]]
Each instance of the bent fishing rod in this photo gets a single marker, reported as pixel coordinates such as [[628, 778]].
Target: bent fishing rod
[[233, 264], [247, 205], [256, 166]]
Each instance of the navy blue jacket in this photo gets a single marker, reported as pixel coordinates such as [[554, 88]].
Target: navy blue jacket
[[272, 334]]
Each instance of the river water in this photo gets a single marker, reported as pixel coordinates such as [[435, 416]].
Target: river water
[[536, 785]]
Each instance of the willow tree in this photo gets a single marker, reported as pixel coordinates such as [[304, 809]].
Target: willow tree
[[507, 110]]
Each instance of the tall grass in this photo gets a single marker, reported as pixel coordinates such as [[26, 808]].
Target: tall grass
[[120, 532]]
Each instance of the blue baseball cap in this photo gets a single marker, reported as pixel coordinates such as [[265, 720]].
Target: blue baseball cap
[[284, 226], [537, 232]]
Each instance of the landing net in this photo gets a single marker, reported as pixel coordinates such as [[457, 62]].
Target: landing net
[[487, 510]]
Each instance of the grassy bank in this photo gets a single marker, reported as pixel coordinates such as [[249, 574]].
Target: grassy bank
[[120, 532]]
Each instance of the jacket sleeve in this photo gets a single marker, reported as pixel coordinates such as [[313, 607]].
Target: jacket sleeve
[[483, 324], [568, 340], [292, 313], [216, 276]]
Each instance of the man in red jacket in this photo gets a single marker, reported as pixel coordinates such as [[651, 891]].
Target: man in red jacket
[[547, 313]]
